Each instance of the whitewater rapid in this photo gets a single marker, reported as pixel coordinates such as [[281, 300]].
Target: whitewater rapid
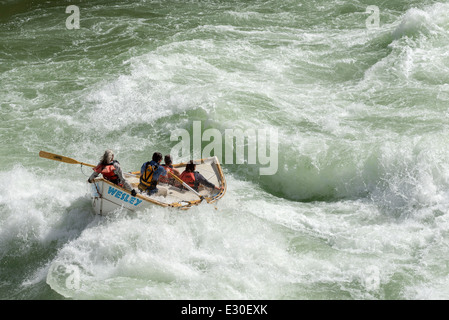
[[356, 210]]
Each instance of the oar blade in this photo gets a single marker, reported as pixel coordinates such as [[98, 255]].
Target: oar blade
[[57, 157]]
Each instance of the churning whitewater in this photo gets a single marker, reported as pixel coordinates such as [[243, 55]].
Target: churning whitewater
[[357, 93]]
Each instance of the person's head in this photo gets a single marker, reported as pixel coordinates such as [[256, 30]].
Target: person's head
[[168, 159], [157, 156], [107, 157], [190, 167]]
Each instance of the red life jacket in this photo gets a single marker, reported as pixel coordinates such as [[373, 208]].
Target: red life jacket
[[107, 171], [189, 178]]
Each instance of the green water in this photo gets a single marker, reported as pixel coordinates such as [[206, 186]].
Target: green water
[[357, 208]]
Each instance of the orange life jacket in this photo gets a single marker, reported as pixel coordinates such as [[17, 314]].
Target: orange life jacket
[[189, 178], [167, 178], [107, 171]]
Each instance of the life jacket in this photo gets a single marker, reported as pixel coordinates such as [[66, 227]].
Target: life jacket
[[146, 180], [188, 178], [107, 171], [167, 178]]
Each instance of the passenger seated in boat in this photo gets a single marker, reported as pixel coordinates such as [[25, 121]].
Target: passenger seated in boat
[[111, 171], [168, 167], [150, 173], [194, 178]]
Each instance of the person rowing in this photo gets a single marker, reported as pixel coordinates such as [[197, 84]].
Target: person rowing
[[110, 170]]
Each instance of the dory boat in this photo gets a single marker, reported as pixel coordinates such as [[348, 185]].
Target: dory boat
[[107, 196]]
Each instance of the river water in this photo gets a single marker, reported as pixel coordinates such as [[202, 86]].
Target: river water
[[356, 91]]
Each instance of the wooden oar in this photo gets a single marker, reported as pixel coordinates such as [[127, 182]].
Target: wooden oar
[[57, 157]]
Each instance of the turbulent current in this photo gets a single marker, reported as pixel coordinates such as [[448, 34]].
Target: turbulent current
[[356, 91]]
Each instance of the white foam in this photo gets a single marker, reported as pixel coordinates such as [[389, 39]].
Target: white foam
[[429, 20], [32, 206]]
